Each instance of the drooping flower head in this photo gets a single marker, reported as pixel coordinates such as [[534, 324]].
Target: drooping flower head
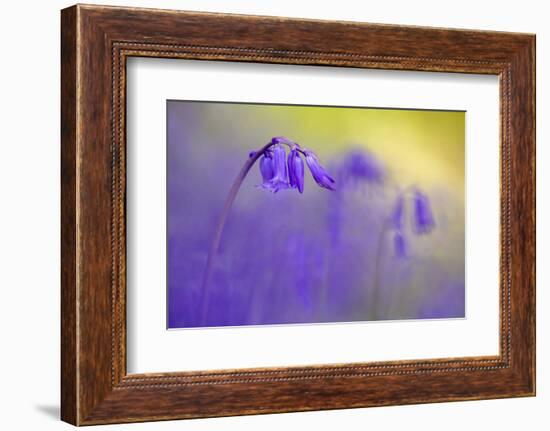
[[399, 242], [278, 172], [398, 213], [422, 219], [319, 174], [423, 216], [296, 170]]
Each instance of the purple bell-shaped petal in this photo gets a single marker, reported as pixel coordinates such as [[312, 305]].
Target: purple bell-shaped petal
[[321, 177], [296, 170], [423, 216], [398, 212], [266, 167], [279, 178], [400, 245]]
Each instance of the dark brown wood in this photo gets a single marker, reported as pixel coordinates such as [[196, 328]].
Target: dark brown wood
[[96, 41], [68, 218]]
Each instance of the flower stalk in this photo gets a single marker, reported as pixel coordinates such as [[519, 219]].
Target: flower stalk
[[423, 222], [277, 174]]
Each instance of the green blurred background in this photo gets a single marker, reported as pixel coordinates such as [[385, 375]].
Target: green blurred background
[[417, 146]]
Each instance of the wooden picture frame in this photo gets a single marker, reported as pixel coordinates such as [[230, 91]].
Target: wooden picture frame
[[96, 41]]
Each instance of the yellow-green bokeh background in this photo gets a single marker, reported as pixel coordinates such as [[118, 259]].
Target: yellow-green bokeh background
[[416, 146]]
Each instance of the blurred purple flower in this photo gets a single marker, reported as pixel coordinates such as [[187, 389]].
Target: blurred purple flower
[[296, 170], [400, 245], [359, 165], [399, 242], [318, 173], [423, 217], [397, 216]]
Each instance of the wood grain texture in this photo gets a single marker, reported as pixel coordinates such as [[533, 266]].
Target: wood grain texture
[[96, 41], [69, 331]]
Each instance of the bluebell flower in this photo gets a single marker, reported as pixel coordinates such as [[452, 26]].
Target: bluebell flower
[[400, 245], [318, 173], [266, 167], [296, 170], [398, 212], [359, 165], [278, 172], [423, 217], [279, 179]]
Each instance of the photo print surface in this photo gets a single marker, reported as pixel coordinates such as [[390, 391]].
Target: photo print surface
[[293, 214]]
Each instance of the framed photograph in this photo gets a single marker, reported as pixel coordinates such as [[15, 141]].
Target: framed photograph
[[264, 214]]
